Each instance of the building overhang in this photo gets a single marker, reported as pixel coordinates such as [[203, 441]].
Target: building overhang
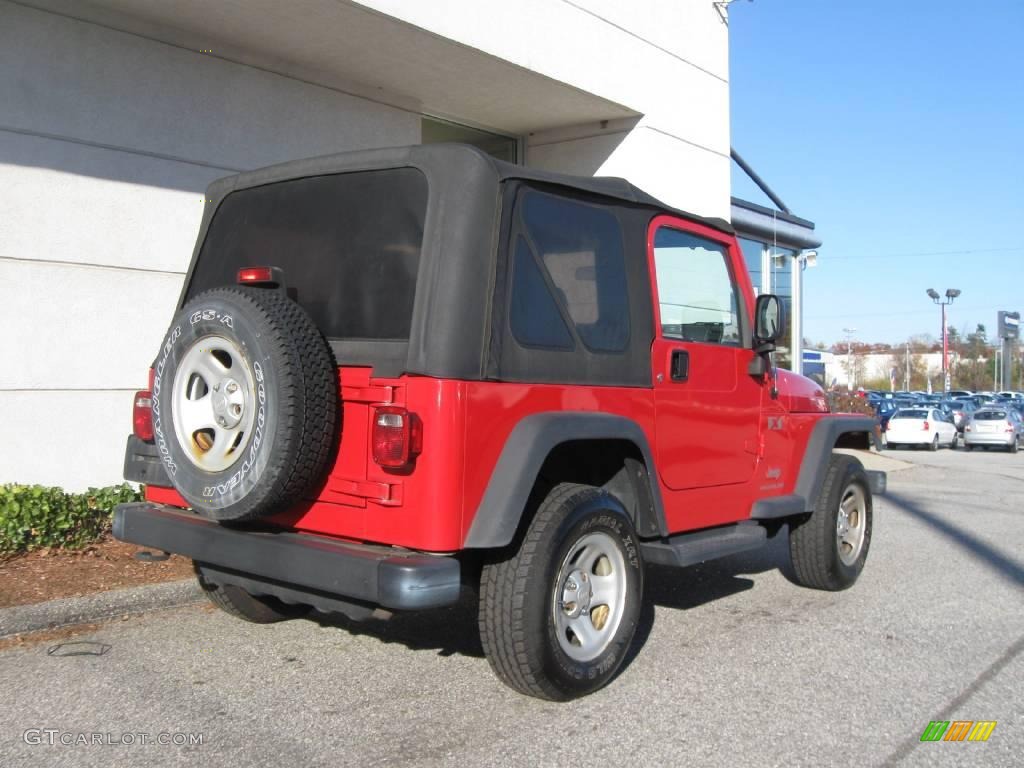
[[758, 222], [354, 49]]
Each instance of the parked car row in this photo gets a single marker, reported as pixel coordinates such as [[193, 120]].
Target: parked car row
[[959, 418]]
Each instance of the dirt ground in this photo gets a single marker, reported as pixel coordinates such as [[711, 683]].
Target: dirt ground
[[109, 564]]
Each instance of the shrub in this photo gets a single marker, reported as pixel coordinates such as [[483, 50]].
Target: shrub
[[848, 402], [34, 516]]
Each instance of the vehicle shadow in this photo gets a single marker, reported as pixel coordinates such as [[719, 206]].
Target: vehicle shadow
[[447, 631], [684, 589], [454, 630]]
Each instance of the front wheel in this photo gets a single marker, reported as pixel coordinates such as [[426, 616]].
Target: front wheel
[[557, 614], [954, 442], [829, 548]]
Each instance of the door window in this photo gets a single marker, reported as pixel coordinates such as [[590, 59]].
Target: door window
[[696, 292]]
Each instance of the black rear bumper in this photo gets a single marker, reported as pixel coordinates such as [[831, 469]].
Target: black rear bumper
[[297, 567]]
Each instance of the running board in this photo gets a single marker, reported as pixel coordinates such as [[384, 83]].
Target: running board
[[692, 548]]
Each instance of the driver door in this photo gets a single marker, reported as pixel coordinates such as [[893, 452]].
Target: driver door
[[707, 403]]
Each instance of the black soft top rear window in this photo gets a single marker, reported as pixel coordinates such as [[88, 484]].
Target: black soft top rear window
[[349, 245]]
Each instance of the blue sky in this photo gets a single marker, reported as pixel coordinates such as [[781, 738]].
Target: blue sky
[[898, 128]]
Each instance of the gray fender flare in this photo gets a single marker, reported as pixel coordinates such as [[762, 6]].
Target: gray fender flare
[[824, 437], [525, 451]]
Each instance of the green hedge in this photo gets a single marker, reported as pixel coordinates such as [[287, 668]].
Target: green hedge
[[34, 516]]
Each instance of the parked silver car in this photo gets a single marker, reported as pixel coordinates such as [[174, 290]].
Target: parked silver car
[[1000, 427]]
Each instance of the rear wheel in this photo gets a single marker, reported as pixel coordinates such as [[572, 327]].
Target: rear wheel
[[259, 609], [558, 613], [1015, 445], [828, 549], [934, 445]]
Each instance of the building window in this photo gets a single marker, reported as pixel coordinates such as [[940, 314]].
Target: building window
[[781, 261], [434, 131], [752, 253]]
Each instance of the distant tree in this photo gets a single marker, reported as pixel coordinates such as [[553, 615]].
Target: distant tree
[[972, 366], [924, 342]]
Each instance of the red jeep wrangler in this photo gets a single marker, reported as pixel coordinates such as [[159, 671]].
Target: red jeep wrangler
[[397, 372]]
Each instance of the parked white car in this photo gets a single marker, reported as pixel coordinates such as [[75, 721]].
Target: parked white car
[[921, 426]]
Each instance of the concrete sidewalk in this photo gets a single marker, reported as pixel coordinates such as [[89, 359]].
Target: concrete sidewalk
[[97, 607], [875, 461]]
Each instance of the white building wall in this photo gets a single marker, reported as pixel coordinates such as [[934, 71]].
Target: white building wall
[[665, 59], [878, 366], [107, 143]]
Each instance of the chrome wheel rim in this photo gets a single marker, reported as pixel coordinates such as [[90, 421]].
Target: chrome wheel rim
[[589, 596], [851, 524], [213, 400]]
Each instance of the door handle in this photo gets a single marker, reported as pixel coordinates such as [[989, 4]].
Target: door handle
[[680, 365]]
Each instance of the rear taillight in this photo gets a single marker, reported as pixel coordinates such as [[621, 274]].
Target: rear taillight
[[142, 411], [397, 436], [926, 426]]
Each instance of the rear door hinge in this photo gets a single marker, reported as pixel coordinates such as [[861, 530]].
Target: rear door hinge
[[387, 494]]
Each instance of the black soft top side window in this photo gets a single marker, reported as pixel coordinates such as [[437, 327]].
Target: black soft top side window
[[349, 245], [533, 313], [577, 253]]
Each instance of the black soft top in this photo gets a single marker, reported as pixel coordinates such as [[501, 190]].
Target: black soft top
[[461, 164], [453, 313]]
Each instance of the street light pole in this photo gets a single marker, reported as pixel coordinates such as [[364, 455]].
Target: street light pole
[[849, 347], [906, 380], [951, 294]]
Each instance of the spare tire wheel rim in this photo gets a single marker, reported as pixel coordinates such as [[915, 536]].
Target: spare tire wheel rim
[[215, 402]]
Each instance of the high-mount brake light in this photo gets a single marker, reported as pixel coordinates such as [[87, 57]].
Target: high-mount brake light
[[397, 436], [257, 276]]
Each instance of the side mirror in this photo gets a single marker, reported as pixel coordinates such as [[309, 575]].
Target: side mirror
[[769, 322]]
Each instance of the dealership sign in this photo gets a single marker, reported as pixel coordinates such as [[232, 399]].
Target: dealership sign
[[1009, 325]]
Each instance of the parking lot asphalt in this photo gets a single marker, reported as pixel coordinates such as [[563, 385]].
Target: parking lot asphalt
[[736, 666]]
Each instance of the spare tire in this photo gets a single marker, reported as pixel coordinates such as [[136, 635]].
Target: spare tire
[[245, 403]]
